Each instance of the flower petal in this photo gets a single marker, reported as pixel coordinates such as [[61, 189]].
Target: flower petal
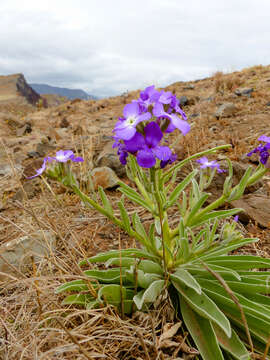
[[162, 152], [264, 138], [182, 125], [136, 143], [146, 158], [153, 134], [126, 132], [131, 110]]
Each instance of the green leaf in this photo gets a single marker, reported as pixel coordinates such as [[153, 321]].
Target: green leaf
[[132, 253], [179, 188], [233, 345], [123, 261], [138, 226], [219, 214], [124, 216], [75, 285], [199, 271], [78, 299], [204, 306], [106, 276], [240, 262], [105, 201], [143, 280], [112, 294], [202, 332], [150, 294], [223, 248], [134, 196], [199, 203], [146, 266], [183, 276]]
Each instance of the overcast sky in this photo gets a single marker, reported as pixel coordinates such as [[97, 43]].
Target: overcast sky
[[109, 46]]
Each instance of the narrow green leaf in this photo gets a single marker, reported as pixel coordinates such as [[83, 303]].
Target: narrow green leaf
[[105, 201], [150, 294], [204, 306], [138, 226], [133, 195], [219, 214], [78, 299], [106, 276], [223, 248], [233, 345], [103, 257], [196, 208], [75, 285], [124, 215], [184, 277], [202, 332], [200, 271], [179, 188], [240, 262]]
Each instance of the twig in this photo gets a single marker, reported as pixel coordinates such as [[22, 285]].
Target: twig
[[143, 344]]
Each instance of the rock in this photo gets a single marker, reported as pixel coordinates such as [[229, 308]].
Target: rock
[[268, 104], [257, 208], [244, 91], [22, 251], [189, 87], [183, 101], [64, 122], [44, 148], [104, 177], [194, 115], [28, 191], [108, 157], [226, 110], [26, 129]]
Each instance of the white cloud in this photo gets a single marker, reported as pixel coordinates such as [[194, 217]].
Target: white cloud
[[107, 47]]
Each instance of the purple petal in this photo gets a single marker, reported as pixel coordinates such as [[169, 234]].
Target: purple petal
[[143, 117], [182, 125], [264, 138], [125, 133], [165, 97], [158, 110], [146, 158], [137, 142], [63, 156], [41, 170], [162, 152], [153, 134], [131, 110], [77, 159]]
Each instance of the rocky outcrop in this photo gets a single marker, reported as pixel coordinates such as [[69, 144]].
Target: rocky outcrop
[[14, 88]]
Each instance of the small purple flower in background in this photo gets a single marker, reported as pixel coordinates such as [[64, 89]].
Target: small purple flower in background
[[62, 156], [236, 218], [125, 128], [205, 163], [263, 150]]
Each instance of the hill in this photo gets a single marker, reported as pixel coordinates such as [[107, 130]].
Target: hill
[[68, 93], [15, 89]]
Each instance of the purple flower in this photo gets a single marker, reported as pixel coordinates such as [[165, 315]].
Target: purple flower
[[205, 163], [149, 148], [125, 128], [172, 158], [175, 121], [263, 150], [61, 156], [236, 218]]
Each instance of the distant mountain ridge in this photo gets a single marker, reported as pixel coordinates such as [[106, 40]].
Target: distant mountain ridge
[[69, 93]]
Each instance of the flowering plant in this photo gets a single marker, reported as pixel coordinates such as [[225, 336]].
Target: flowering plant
[[220, 298]]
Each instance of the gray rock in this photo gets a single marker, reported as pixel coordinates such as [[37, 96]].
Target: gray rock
[[189, 87], [108, 157], [244, 91], [104, 177], [21, 252], [256, 208], [26, 129], [268, 104], [226, 110], [183, 101]]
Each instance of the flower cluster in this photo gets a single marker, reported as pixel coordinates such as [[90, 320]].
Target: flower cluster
[[142, 127], [62, 156], [263, 150]]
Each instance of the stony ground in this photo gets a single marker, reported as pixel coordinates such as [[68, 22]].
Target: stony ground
[[223, 109]]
